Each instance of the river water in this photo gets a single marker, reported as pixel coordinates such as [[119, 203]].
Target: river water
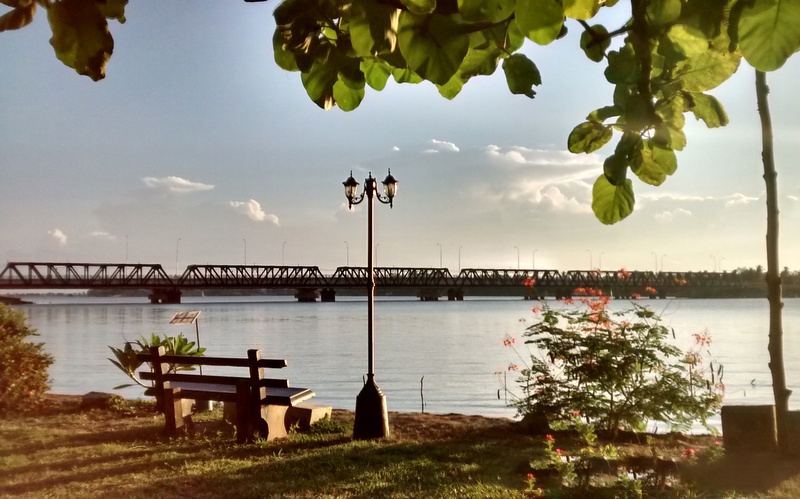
[[456, 346]]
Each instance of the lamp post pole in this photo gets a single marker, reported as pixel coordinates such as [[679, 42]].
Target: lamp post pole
[[517, 248], [459, 258], [347, 245], [126, 248], [372, 418], [440, 254], [245, 250], [533, 259], [283, 254]]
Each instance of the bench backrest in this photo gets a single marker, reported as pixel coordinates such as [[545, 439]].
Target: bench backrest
[[161, 376]]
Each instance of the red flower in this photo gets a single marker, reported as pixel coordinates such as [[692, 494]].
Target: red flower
[[531, 477], [549, 437], [688, 452]]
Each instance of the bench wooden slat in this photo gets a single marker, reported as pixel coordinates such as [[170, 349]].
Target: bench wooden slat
[[227, 393], [212, 379], [213, 361]]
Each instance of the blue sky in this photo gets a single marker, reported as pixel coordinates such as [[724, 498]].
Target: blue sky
[[195, 134]]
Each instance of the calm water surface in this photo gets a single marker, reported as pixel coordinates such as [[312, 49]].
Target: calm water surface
[[456, 346]]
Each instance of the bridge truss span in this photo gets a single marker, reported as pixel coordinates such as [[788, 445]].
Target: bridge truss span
[[38, 275]]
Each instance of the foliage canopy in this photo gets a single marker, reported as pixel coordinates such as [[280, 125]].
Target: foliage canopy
[[23, 365], [670, 54]]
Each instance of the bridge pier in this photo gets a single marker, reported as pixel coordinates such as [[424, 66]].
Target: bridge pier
[[327, 294], [165, 296], [454, 294], [306, 295], [428, 294]]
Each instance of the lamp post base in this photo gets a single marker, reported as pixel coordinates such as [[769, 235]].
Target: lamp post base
[[372, 417]]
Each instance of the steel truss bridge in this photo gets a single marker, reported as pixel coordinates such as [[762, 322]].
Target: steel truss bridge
[[310, 284]]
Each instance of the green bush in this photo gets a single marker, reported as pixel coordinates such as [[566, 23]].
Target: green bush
[[617, 369], [23, 365]]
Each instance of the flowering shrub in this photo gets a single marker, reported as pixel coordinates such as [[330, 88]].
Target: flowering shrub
[[23, 365], [616, 368]]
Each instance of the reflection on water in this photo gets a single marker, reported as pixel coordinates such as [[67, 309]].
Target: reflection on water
[[456, 346]]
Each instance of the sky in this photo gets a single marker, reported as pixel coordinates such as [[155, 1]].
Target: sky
[[197, 149]]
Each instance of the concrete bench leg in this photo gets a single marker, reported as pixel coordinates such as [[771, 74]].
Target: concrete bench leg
[[173, 411], [305, 414], [271, 425]]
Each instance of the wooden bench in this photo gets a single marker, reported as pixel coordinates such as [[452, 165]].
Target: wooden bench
[[261, 402]]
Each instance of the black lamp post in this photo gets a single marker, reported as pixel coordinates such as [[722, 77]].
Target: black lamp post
[[372, 418]]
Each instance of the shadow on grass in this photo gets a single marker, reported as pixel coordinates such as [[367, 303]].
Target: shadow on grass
[[745, 473]]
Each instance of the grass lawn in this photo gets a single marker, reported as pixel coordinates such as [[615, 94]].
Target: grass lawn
[[64, 451]]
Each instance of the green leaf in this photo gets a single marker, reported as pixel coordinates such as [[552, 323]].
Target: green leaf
[[595, 45], [319, 83], [588, 137], [622, 66], [434, 46], [615, 168], [581, 9], [540, 20], [420, 6], [769, 32], [521, 75], [709, 109], [347, 97], [484, 52], [612, 203], [603, 113], [452, 88], [663, 12], [376, 73], [654, 163], [372, 27], [707, 70], [405, 75], [283, 58], [687, 40], [485, 10], [17, 18], [80, 36], [113, 9]]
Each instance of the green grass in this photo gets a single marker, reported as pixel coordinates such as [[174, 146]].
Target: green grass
[[122, 452]]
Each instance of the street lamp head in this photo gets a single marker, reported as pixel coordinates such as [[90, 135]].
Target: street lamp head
[[350, 188], [390, 187]]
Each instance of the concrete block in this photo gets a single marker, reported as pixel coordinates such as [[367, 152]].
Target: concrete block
[[749, 428], [305, 414]]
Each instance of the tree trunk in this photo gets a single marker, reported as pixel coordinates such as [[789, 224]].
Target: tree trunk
[[774, 292]]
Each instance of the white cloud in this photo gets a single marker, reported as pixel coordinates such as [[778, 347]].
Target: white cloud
[[669, 216], [176, 185], [102, 235], [395, 148], [252, 210], [59, 236], [523, 156], [442, 146], [739, 198]]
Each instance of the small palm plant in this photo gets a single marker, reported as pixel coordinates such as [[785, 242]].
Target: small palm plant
[[127, 362]]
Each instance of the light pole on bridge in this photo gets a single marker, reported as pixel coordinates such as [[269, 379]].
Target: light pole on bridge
[[590, 258], [533, 259], [347, 245], [283, 255], [372, 418], [245, 250], [440, 254], [126, 248], [177, 248], [517, 248], [459, 259]]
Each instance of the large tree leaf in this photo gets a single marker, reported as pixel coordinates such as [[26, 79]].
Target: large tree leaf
[[80, 36], [612, 203], [420, 6], [663, 12], [769, 32], [521, 75], [654, 163], [347, 97], [581, 9], [434, 46], [376, 73], [709, 109], [484, 51], [707, 70], [588, 137], [485, 10], [595, 42], [283, 58], [372, 26], [319, 83], [17, 18], [540, 20], [452, 87], [687, 40], [622, 66]]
